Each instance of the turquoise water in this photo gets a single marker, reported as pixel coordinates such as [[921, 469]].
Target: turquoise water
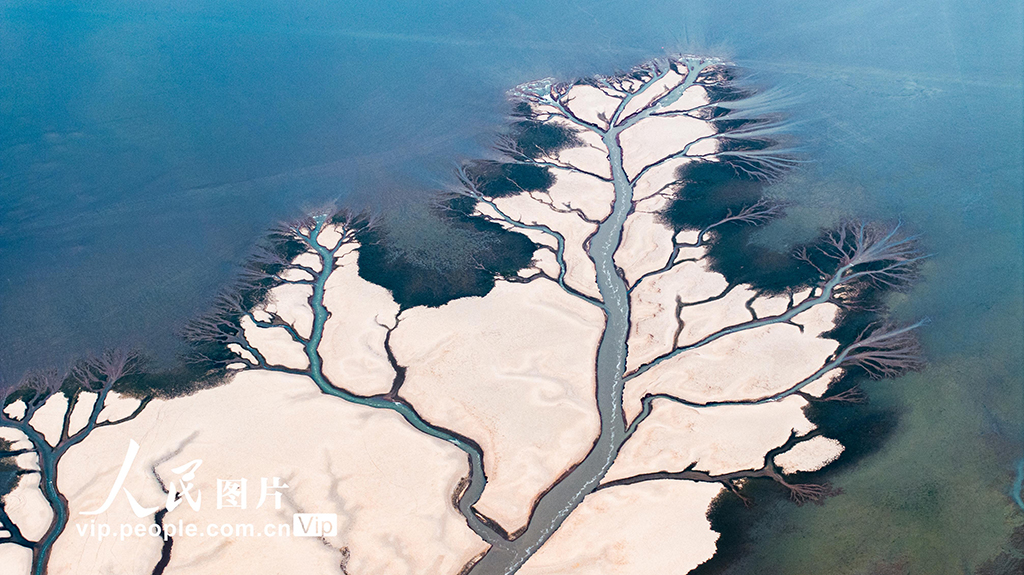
[[145, 146]]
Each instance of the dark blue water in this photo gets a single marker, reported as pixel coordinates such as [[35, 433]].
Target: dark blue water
[[145, 146]]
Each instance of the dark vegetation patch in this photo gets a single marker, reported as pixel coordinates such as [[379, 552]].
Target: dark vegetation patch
[[205, 362], [708, 192], [743, 145], [1010, 561], [499, 179], [529, 138], [724, 86], [730, 517], [496, 252], [184, 379], [412, 279], [862, 428], [8, 469]]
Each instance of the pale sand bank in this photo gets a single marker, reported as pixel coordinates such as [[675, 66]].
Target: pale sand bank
[[117, 407], [719, 439], [592, 156], [514, 371], [810, 455], [83, 409], [818, 388], [390, 485], [275, 344], [294, 275], [49, 419], [353, 342], [291, 303], [646, 245], [693, 97], [16, 409], [544, 261], [656, 90], [580, 271], [592, 105], [653, 303], [14, 559], [751, 364], [655, 180], [27, 507], [308, 259], [658, 138], [592, 196], [745, 365], [243, 353], [655, 527], [329, 237], [704, 148]]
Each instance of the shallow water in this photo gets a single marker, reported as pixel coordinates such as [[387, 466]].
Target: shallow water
[[143, 149]]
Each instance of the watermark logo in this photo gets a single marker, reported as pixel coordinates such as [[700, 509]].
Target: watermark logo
[[315, 524], [231, 494]]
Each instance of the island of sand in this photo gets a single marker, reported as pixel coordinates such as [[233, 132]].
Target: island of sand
[[581, 417]]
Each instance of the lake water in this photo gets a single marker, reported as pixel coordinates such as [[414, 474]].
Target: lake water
[[144, 147]]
